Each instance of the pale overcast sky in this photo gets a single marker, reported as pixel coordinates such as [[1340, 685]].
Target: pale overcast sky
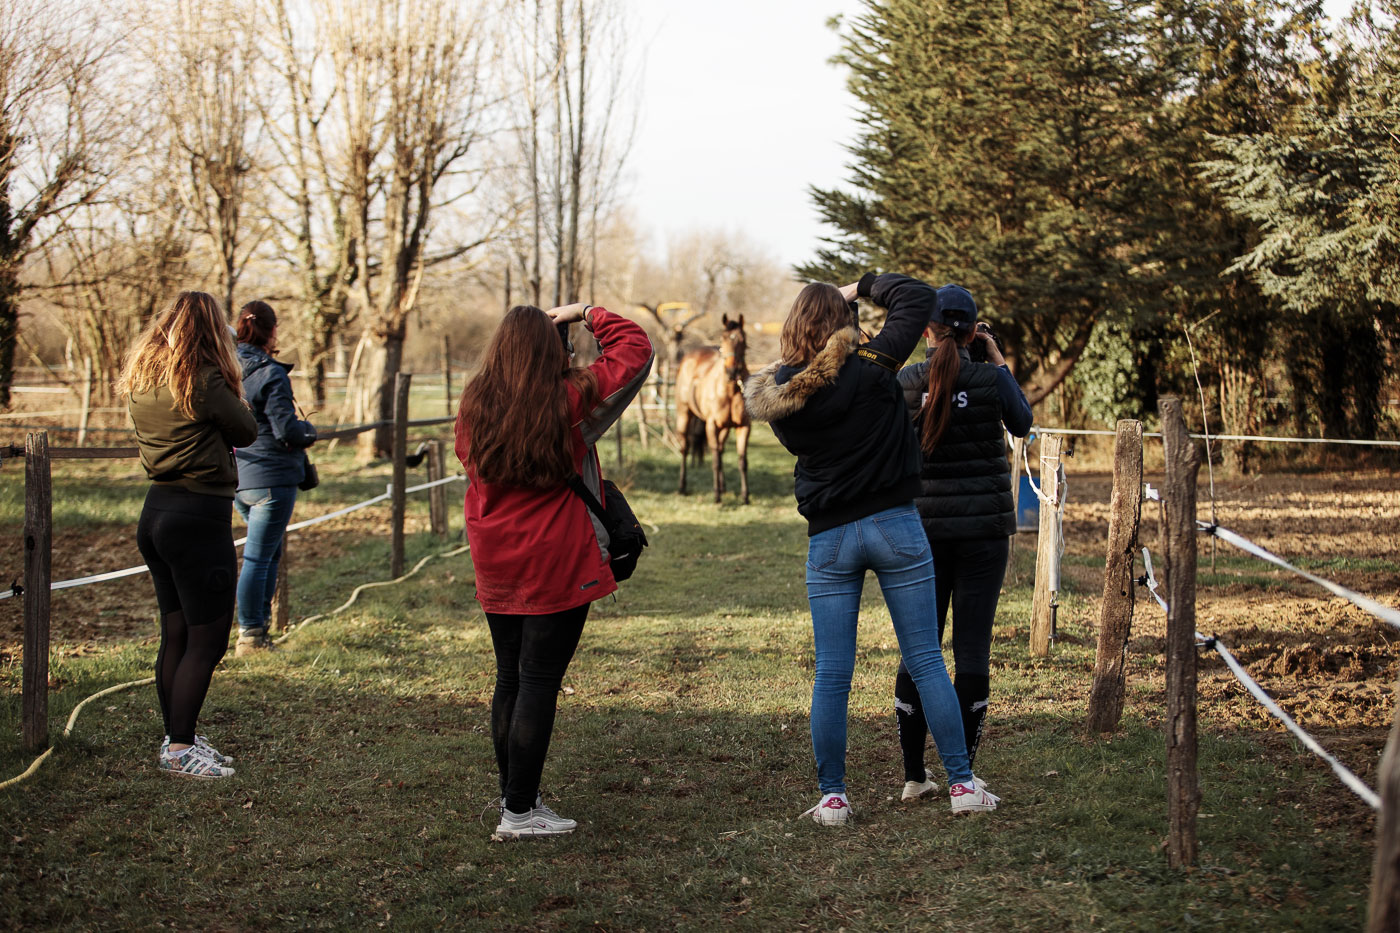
[[740, 112]]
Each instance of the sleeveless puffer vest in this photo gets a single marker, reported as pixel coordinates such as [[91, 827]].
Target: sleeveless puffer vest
[[966, 483]]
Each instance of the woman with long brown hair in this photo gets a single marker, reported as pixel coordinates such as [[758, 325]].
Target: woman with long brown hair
[[832, 400], [962, 409], [526, 425], [184, 390]]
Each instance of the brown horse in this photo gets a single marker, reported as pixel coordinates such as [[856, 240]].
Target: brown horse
[[710, 388]]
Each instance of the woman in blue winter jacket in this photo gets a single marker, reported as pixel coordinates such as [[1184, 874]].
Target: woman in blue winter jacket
[[269, 470]]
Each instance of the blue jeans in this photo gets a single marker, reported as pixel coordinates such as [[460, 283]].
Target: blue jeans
[[267, 511], [893, 544]]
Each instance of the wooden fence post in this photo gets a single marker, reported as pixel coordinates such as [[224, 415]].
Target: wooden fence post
[[447, 369], [1048, 547], [87, 401], [1183, 460], [281, 597], [38, 556], [1018, 453], [1383, 913], [1116, 615], [437, 496], [400, 450]]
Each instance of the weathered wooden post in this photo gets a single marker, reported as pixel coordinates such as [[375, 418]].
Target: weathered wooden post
[[1183, 460], [38, 558], [437, 496], [1116, 615], [1383, 913], [398, 498], [1018, 453], [1047, 571], [447, 370], [87, 401], [281, 596]]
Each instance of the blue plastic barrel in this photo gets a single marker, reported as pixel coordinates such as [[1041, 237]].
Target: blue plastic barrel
[[1027, 507]]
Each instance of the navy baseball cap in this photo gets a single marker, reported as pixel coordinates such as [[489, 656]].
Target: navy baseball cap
[[955, 308]]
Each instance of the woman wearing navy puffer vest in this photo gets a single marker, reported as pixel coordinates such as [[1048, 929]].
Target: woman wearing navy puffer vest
[[959, 408], [268, 470]]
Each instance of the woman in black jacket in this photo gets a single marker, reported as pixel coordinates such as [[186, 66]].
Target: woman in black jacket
[[834, 402], [962, 411]]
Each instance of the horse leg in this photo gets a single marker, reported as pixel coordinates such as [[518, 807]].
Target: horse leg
[[741, 447], [716, 435], [683, 438]]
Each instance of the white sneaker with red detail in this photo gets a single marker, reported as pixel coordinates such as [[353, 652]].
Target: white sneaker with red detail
[[540, 821], [831, 810], [972, 797]]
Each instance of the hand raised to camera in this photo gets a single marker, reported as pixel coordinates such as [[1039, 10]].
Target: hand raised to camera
[[848, 292], [567, 314], [989, 345]]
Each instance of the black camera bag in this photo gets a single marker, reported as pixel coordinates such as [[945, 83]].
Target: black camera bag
[[625, 535]]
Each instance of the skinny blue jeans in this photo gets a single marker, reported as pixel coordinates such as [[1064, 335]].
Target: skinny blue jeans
[[893, 544], [267, 510]]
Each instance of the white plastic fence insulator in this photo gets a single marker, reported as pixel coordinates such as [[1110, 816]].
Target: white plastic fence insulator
[[1152, 580]]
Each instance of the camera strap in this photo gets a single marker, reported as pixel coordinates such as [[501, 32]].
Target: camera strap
[[883, 360]]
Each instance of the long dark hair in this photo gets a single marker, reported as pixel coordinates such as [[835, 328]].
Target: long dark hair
[[515, 410], [943, 368], [256, 322]]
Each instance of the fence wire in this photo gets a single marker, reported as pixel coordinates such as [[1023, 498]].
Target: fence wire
[[296, 526], [1347, 777]]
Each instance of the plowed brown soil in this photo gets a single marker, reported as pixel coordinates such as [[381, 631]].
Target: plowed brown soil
[[1329, 664]]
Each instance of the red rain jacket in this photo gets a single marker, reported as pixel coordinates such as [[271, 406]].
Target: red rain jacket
[[539, 551]]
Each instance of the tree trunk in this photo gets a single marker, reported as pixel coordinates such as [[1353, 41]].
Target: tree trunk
[[390, 358]]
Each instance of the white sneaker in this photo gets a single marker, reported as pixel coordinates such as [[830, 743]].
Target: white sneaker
[[913, 790], [540, 821], [194, 762], [831, 810], [202, 742], [972, 797]]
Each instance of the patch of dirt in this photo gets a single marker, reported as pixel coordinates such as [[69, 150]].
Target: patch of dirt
[[122, 609], [1329, 664]]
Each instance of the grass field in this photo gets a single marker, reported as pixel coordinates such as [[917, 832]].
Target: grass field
[[682, 748]]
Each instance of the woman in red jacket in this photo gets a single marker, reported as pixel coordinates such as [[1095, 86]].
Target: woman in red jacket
[[527, 422]]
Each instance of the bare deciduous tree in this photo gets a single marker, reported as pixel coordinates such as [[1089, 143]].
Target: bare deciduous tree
[[50, 55], [203, 62]]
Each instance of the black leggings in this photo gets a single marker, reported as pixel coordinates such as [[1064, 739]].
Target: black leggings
[[967, 574], [532, 654], [187, 541]]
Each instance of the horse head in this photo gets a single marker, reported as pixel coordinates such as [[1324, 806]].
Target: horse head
[[732, 346]]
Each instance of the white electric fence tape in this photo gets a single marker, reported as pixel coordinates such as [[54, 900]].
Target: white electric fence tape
[[295, 526], [1353, 783], [1235, 437], [1380, 611]]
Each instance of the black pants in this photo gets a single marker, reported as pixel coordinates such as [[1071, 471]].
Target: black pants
[[968, 577], [187, 541], [532, 654]]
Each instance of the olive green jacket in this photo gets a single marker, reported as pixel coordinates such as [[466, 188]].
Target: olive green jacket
[[194, 453]]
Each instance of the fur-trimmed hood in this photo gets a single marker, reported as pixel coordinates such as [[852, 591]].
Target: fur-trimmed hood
[[768, 401]]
